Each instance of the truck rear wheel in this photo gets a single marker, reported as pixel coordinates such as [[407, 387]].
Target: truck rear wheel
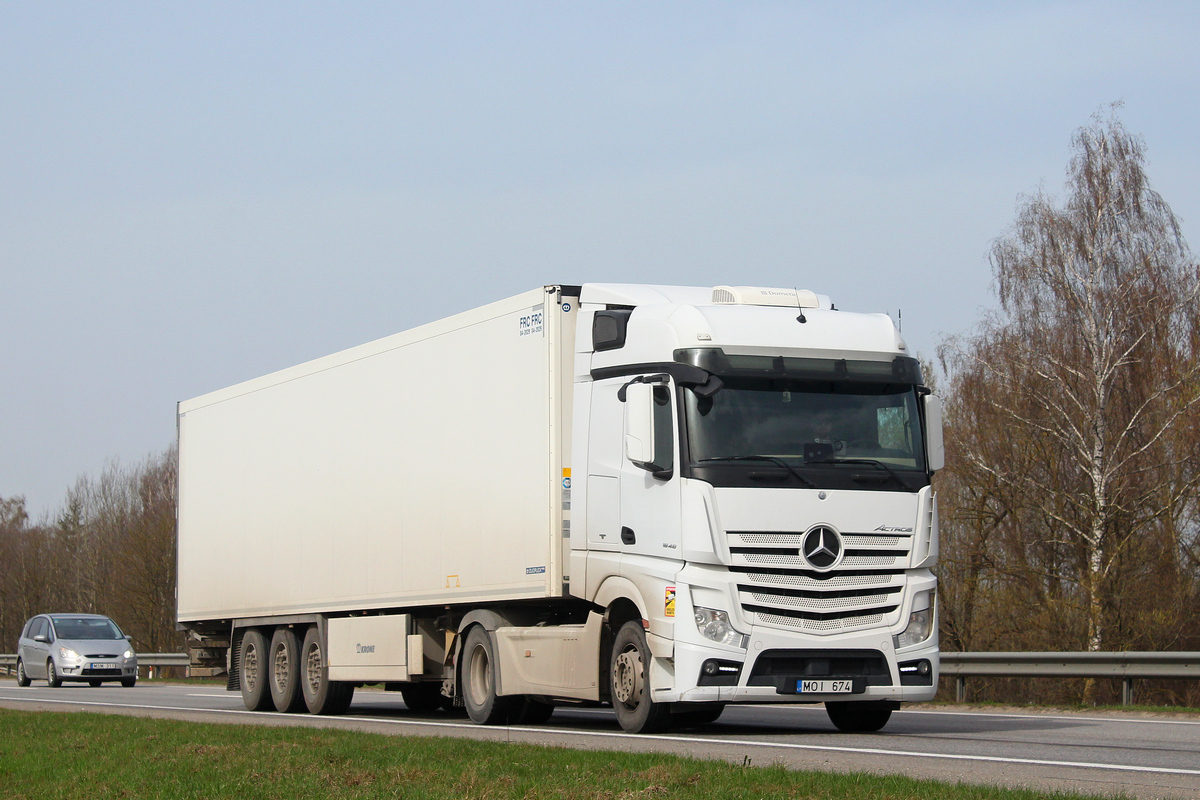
[[422, 698], [629, 683], [253, 669], [479, 677], [285, 671], [865, 717], [321, 695]]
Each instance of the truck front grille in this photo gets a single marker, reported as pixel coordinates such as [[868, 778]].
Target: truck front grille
[[777, 587]]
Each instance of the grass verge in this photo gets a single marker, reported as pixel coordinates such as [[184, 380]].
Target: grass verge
[[49, 755]]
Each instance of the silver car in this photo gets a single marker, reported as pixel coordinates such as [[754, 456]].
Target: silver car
[[74, 647]]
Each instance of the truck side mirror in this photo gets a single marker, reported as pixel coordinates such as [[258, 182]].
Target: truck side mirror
[[935, 448], [639, 423]]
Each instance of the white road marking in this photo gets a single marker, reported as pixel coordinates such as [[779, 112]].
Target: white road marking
[[646, 737]]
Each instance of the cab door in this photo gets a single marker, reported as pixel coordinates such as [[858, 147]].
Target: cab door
[[649, 489], [34, 653]]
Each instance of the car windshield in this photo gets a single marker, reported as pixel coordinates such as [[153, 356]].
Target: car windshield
[[86, 628]]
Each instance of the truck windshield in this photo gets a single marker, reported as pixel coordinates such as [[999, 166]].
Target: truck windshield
[[803, 432]]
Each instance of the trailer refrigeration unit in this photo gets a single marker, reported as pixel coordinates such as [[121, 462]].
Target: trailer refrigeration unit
[[663, 499]]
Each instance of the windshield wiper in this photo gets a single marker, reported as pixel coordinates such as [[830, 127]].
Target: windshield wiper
[[771, 459], [872, 462]]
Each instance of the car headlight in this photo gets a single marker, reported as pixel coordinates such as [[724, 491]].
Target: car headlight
[[67, 654], [127, 655], [715, 625], [920, 623]]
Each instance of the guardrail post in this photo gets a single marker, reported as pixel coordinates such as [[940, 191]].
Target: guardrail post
[[960, 688], [1127, 691]]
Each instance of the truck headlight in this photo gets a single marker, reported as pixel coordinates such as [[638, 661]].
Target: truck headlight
[[920, 623], [715, 626]]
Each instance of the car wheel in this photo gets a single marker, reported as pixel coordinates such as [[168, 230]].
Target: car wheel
[[95, 684], [129, 683], [52, 675], [22, 678]]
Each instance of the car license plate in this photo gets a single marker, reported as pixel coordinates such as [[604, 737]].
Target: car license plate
[[824, 687], [101, 665]]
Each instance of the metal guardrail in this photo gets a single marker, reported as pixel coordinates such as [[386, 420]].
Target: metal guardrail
[[1128, 666], [8, 661]]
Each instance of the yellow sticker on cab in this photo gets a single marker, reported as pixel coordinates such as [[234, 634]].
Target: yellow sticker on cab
[[669, 605]]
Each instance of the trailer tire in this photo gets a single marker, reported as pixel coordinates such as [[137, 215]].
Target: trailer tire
[[321, 695], [254, 670], [284, 671], [628, 677], [480, 681], [865, 717]]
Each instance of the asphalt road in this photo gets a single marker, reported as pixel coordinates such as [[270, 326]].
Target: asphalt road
[[1102, 753]]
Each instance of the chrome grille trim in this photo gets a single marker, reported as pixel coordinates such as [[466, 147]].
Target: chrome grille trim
[[780, 589]]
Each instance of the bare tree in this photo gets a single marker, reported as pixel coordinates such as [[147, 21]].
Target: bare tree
[[1077, 391]]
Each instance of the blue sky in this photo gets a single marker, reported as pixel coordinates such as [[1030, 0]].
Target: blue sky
[[192, 194]]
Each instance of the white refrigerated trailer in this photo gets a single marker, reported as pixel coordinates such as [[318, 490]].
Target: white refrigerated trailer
[[663, 499]]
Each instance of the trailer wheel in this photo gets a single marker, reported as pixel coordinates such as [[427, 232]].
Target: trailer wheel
[[284, 671], [484, 706], [629, 685], [321, 695], [254, 669], [865, 717]]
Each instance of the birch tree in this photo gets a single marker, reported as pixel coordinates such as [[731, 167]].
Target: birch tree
[[1091, 370]]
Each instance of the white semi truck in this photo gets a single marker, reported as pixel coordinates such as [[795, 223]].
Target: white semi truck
[[661, 499]]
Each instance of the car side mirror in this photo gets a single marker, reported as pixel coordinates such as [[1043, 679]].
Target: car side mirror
[[43, 638]]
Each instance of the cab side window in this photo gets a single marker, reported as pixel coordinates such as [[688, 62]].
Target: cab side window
[[664, 429]]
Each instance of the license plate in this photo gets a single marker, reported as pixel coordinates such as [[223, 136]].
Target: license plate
[[824, 687], [101, 665]]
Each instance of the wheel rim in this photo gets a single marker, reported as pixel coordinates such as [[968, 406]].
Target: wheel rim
[[480, 684], [629, 683], [250, 667], [20, 672], [51, 672], [312, 668], [279, 667]]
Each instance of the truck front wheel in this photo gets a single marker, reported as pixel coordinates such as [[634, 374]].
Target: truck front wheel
[[479, 677], [864, 717], [321, 695], [629, 673]]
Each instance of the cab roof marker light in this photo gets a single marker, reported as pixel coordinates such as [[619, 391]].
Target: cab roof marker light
[[759, 296]]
